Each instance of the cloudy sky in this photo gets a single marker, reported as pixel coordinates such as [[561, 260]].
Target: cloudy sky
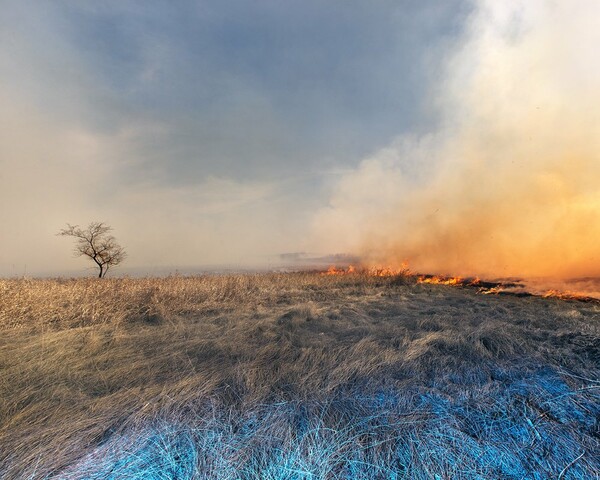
[[204, 132], [461, 136]]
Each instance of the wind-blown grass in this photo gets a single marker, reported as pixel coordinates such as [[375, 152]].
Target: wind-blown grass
[[294, 377]]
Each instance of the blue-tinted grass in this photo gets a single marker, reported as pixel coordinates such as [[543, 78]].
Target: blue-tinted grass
[[522, 424]]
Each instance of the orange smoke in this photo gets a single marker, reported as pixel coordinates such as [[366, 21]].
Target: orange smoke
[[508, 184]]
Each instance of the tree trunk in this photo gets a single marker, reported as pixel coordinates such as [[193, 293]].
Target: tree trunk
[[100, 274]]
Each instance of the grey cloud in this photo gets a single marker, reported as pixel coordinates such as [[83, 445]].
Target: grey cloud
[[159, 99], [245, 88]]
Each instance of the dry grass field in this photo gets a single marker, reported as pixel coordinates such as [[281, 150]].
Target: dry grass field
[[294, 376]]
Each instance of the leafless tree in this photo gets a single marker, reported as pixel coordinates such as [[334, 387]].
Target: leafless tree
[[96, 243]]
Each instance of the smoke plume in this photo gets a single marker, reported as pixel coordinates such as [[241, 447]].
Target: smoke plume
[[509, 183]]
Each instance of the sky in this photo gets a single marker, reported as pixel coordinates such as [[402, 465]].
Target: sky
[[458, 135], [204, 132]]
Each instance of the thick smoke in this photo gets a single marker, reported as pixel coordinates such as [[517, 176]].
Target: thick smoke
[[509, 184]]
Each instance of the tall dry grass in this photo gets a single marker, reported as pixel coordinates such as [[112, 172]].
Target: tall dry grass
[[293, 376], [65, 303]]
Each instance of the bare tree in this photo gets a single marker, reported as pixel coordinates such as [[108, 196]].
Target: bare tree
[[96, 243]]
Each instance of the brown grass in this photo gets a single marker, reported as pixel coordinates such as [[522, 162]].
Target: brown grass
[[84, 360]]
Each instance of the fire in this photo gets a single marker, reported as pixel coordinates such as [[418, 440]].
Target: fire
[[389, 271], [492, 291], [567, 295], [369, 271], [333, 270], [483, 287], [439, 280], [448, 280]]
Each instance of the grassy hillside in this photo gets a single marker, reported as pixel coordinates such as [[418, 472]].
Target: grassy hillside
[[294, 376]]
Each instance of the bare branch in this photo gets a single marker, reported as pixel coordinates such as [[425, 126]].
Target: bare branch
[[95, 243]]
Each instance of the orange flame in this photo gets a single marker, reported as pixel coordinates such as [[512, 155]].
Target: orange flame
[[566, 295], [483, 287], [448, 280], [377, 271], [333, 270], [438, 280], [492, 290]]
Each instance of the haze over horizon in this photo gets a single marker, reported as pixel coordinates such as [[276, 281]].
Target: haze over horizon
[[203, 132], [224, 133]]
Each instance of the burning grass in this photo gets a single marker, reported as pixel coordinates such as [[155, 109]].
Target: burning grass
[[499, 287], [294, 376]]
